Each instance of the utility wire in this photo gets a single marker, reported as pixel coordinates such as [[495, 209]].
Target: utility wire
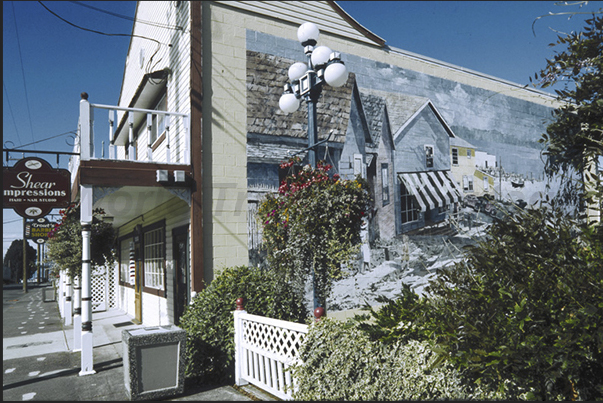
[[125, 17], [49, 138], [11, 111], [22, 70], [94, 31]]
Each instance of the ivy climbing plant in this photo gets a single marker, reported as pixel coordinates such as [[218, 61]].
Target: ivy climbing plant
[[312, 226]]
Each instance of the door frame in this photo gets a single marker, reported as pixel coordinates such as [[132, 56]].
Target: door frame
[[138, 276], [178, 234]]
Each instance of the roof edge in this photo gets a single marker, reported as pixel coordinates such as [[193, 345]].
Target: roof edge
[[350, 20]]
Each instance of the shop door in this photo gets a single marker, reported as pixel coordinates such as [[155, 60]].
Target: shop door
[[181, 286]]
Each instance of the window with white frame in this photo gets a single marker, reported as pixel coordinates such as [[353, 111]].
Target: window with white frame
[[468, 183], [154, 258], [158, 125], [408, 206]]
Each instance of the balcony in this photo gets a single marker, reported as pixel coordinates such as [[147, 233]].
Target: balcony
[[146, 163]]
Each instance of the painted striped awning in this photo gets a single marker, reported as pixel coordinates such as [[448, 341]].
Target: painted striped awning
[[431, 189]]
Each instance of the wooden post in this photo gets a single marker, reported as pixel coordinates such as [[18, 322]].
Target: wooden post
[[24, 259], [319, 313], [240, 353]]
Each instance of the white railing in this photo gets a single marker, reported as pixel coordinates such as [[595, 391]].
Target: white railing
[[265, 348], [174, 129]]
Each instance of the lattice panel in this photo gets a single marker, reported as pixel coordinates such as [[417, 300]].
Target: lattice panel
[[273, 339], [98, 288], [112, 281]]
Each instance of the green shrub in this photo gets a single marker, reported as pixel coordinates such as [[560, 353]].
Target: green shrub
[[209, 322], [397, 319], [527, 306], [340, 362]]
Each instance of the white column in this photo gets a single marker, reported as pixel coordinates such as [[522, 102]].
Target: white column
[[111, 134], [240, 353], [131, 149], [86, 143], [87, 361], [61, 295], [149, 130], [167, 138], [68, 304], [77, 314]]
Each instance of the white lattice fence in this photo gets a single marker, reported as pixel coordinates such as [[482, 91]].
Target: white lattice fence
[[99, 288], [264, 349]]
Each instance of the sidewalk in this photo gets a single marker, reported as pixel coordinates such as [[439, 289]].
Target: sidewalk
[[39, 364]]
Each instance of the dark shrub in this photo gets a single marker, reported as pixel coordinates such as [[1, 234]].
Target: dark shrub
[[526, 305], [209, 323]]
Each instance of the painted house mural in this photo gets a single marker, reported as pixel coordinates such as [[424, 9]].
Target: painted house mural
[[197, 138]]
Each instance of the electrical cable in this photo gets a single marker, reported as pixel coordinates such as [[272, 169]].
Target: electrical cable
[[22, 71], [11, 112], [125, 17], [95, 31]]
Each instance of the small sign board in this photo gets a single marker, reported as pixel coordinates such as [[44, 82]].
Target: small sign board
[[38, 229], [33, 188]]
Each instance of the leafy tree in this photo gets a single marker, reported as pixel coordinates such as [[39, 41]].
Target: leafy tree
[[313, 225], [65, 241], [14, 259], [574, 140], [527, 306]]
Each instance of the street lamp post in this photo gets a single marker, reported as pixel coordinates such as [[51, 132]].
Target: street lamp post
[[306, 81]]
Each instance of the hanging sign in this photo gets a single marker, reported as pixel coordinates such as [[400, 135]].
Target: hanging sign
[[33, 188], [38, 229]]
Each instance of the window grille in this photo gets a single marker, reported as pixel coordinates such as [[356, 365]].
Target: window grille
[[154, 242]]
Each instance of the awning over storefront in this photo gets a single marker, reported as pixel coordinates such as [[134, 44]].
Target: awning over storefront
[[431, 189]]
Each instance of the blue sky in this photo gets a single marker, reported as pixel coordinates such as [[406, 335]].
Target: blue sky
[[47, 62]]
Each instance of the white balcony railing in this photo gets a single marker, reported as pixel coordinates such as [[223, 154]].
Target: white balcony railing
[[167, 142]]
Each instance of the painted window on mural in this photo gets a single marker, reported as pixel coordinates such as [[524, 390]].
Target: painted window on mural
[[409, 209], [385, 183], [455, 156], [154, 257], [429, 156], [469, 153], [468, 183], [486, 184]]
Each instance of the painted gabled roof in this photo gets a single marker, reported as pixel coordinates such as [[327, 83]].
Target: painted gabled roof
[[266, 76], [427, 105], [459, 142]]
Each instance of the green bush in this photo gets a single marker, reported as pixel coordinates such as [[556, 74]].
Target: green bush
[[340, 362], [209, 322], [527, 305]]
